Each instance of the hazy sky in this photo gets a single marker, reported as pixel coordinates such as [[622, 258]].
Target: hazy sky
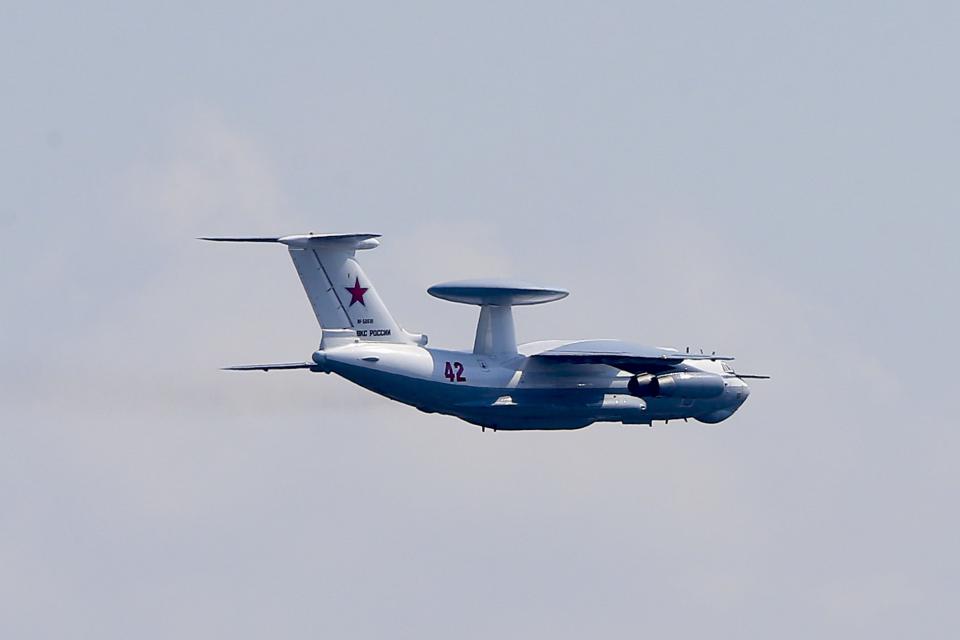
[[774, 181]]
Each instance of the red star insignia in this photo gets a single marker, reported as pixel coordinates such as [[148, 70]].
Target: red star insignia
[[356, 293]]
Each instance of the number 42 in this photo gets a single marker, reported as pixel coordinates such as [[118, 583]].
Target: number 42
[[454, 372]]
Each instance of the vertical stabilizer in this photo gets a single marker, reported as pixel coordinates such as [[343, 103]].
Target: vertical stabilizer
[[340, 293]]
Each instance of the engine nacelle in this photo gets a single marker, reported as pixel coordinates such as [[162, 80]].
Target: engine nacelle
[[694, 385], [643, 386]]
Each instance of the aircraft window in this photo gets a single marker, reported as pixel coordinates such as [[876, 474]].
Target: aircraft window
[[727, 368]]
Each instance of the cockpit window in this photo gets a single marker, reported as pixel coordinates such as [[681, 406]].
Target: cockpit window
[[727, 368]]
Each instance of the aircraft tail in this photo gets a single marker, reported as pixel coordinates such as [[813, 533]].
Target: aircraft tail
[[344, 300]]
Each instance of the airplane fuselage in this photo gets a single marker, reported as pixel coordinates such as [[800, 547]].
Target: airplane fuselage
[[515, 392]]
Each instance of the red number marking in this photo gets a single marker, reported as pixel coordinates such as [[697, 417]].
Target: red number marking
[[448, 372]]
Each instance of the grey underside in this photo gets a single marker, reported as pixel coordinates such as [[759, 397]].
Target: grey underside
[[531, 409]]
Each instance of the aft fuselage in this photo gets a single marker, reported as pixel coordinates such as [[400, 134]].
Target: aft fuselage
[[516, 391]]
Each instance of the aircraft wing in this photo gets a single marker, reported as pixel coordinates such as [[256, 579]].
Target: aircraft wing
[[622, 355], [269, 367]]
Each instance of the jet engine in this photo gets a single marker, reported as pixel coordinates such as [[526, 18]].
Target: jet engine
[[694, 385]]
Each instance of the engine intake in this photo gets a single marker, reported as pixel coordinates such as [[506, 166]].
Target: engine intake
[[694, 385]]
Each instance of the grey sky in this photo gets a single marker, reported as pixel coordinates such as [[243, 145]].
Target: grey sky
[[777, 182]]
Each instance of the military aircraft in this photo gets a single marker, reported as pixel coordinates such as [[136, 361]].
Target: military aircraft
[[555, 384]]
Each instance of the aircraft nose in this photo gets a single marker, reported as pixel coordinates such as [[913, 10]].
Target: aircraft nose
[[739, 392]]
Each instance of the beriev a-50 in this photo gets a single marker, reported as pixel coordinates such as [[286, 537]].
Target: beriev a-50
[[554, 384]]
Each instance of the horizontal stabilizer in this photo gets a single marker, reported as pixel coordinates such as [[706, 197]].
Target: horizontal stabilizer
[[274, 239], [270, 367], [347, 241]]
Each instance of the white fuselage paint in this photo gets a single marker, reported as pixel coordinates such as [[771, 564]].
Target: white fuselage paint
[[517, 392]]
